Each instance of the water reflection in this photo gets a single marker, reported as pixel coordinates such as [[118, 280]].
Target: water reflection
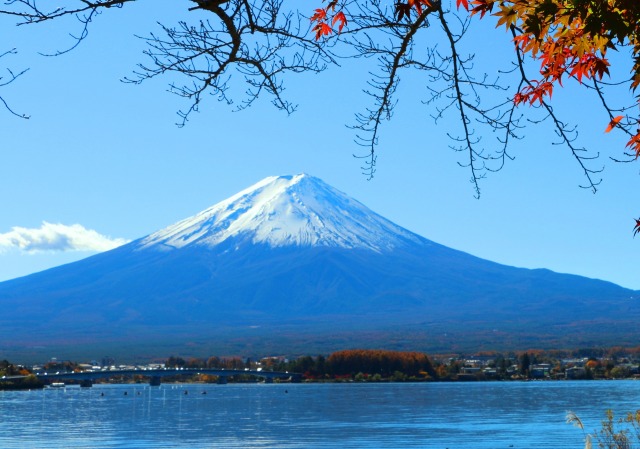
[[454, 415]]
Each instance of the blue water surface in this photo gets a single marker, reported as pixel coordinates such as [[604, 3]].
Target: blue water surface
[[480, 415]]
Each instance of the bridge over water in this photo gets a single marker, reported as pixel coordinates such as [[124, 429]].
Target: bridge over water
[[86, 378]]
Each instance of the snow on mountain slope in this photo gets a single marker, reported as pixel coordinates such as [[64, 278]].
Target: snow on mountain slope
[[278, 211], [171, 292]]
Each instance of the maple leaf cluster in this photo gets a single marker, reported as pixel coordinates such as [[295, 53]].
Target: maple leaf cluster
[[326, 18], [404, 9], [570, 38]]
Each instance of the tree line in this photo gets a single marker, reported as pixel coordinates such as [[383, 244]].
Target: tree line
[[340, 364], [378, 365], [388, 365]]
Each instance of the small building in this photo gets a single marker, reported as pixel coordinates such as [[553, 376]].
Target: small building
[[490, 372], [540, 370], [575, 372]]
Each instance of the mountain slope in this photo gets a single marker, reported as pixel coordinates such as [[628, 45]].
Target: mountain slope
[[292, 264], [283, 211]]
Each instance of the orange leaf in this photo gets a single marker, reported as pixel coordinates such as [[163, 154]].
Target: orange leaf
[[416, 4], [613, 123], [464, 3], [507, 16], [319, 15], [482, 7], [634, 144], [340, 17], [322, 29]]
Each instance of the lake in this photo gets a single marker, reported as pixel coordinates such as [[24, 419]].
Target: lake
[[475, 415]]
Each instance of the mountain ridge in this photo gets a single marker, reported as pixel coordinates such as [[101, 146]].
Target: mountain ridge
[[320, 284]]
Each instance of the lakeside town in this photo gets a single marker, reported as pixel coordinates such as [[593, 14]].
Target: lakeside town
[[355, 366]]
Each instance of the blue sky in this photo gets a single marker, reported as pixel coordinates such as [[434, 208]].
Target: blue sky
[[106, 157]]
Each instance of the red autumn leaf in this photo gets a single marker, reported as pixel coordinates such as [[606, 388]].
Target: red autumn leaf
[[579, 70], [634, 144], [613, 123], [340, 17], [636, 227], [322, 29], [404, 9], [521, 40], [482, 7], [520, 98], [537, 93], [319, 15], [600, 67], [635, 81], [464, 3], [416, 4]]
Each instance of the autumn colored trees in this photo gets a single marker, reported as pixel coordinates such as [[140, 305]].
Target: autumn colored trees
[[385, 365], [380, 362], [8, 369]]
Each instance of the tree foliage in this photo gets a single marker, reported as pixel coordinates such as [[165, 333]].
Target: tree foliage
[[263, 41], [569, 38], [381, 362]]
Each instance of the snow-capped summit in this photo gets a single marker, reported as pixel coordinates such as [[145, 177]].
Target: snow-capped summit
[[291, 265], [298, 210]]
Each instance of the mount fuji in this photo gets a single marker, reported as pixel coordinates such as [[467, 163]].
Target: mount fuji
[[292, 265]]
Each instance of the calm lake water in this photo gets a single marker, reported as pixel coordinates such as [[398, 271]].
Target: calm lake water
[[423, 415]]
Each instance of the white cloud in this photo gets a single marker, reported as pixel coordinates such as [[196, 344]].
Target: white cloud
[[57, 237]]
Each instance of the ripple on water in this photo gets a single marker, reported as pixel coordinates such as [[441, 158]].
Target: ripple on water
[[434, 415]]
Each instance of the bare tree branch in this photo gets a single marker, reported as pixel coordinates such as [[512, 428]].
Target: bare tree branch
[[258, 43], [28, 12], [568, 135], [6, 80]]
